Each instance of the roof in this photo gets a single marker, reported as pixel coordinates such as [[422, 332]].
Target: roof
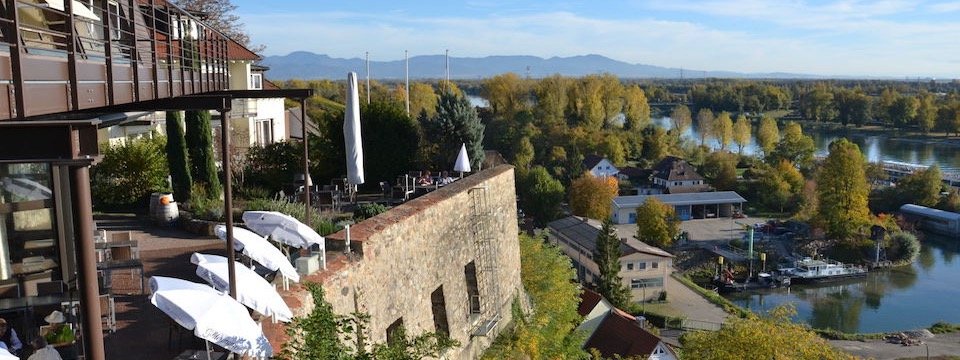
[[673, 168], [585, 231], [688, 189], [588, 300], [701, 198], [929, 212], [236, 51], [620, 334], [635, 172], [591, 160], [292, 116], [269, 85]]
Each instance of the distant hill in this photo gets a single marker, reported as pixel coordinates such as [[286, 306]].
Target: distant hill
[[307, 65]]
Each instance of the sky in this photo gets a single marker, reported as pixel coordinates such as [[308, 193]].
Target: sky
[[896, 38]]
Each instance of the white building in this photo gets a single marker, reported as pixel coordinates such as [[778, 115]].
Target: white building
[[599, 166], [687, 206]]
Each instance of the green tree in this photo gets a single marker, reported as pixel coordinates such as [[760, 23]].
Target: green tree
[[390, 140], [551, 94], [507, 94], [199, 139], [768, 135], [635, 108], [720, 170], [922, 187], [774, 336], [926, 112], [591, 196], [129, 172], [843, 190], [655, 144], [607, 255], [524, 154], [612, 96], [177, 157], [586, 103], [705, 124], [741, 133], [682, 119], [903, 247], [657, 223], [541, 195], [903, 112], [456, 123], [723, 130], [794, 147], [547, 331]]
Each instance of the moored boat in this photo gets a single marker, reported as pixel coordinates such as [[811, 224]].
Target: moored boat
[[810, 270]]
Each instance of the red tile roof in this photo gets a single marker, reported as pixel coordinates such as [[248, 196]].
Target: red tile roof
[[236, 51], [588, 300], [620, 334]]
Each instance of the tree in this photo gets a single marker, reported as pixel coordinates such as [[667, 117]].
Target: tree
[[612, 96], [524, 154], [199, 139], [705, 125], [636, 110], [607, 255], [129, 172], [541, 195], [591, 196], [741, 133], [586, 103], [655, 144], [903, 247], [922, 187], [904, 111], [768, 135], [723, 130], [456, 123], [551, 93], [852, 106], [681, 118], [177, 157], [423, 99], [219, 15], [926, 112], [507, 94], [657, 223], [774, 336], [390, 141], [546, 332], [843, 190], [720, 170], [794, 146]]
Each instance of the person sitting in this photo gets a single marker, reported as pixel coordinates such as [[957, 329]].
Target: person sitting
[[9, 338], [425, 179], [43, 350], [445, 179], [58, 333]]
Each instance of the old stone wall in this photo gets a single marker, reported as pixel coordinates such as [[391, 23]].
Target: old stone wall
[[411, 251]]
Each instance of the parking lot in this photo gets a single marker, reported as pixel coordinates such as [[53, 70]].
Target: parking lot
[[724, 229]]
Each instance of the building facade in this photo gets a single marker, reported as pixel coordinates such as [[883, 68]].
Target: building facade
[[599, 166], [686, 206]]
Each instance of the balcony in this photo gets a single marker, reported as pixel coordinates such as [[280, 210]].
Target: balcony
[[60, 57]]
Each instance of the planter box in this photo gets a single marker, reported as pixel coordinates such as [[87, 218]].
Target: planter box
[[199, 227]]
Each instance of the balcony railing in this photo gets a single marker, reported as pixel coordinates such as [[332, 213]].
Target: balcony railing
[[66, 56]]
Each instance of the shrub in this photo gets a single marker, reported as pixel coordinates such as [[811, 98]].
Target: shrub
[[319, 224], [129, 172], [941, 327], [369, 210], [252, 192], [205, 206], [903, 248]]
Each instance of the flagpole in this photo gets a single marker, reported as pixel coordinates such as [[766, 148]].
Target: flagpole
[[406, 76], [368, 77]]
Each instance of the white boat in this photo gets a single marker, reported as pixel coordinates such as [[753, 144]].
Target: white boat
[[810, 270]]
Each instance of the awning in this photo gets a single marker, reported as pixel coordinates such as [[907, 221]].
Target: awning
[[79, 9]]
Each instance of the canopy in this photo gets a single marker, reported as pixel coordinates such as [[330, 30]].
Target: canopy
[[282, 228], [252, 290], [351, 132], [257, 248], [213, 316], [79, 9], [463, 162]]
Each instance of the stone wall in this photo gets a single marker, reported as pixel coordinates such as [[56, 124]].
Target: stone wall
[[407, 253]]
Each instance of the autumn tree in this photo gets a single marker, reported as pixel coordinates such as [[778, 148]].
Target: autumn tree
[[507, 94], [657, 223], [636, 110], [794, 147], [768, 135], [774, 336], [705, 124], [423, 100], [681, 118], [551, 96], [926, 112], [655, 144], [904, 111], [607, 255], [592, 196], [612, 97], [540, 195], [723, 130], [586, 103], [922, 187], [843, 191], [741, 133], [720, 170]]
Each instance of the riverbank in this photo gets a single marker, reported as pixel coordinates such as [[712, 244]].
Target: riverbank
[[936, 138]]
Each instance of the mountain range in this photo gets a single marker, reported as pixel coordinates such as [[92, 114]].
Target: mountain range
[[308, 65]]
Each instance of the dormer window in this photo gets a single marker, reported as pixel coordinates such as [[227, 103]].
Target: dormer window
[[256, 81]]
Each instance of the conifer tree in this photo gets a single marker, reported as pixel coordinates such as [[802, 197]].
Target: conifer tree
[[177, 157], [456, 123], [607, 256], [199, 138]]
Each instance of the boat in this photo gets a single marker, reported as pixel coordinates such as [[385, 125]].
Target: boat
[[808, 270], [726, 284]]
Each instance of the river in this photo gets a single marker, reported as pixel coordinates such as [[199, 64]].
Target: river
[[903, 298], [876, 147]]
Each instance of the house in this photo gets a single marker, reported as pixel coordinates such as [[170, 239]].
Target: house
[[688, 206], [294, 123], [599, 166], [676, 176], [613, 332], [643, 267]]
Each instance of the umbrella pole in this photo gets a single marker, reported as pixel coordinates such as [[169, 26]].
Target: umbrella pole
[[208, 349]]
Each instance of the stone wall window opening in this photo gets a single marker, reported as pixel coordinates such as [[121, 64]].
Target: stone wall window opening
[[439, 307], [394, 331], [473, 288]]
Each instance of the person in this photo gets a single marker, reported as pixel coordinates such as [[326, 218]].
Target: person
[[425, 179], [43, 350], [9, 338], [58, 333], [445, 179]]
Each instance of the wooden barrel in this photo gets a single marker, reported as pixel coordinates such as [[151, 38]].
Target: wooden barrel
[[163, 210]]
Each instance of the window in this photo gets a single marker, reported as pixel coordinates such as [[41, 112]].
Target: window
[[264, 132], [393, 331], [654, 265], [256, 81], [641, 265], [439, 308], [114, 9], [473, 289], [645, 283], [629, 266]]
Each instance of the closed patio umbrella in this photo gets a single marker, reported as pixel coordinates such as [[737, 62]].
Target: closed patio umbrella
[[252, 290], [212, 315], [463, 162], [260, 250], [351, 135]]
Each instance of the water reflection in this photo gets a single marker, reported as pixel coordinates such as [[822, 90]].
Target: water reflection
[[889, 300]]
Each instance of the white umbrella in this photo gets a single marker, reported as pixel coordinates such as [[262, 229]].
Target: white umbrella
[[6, 355], [252, 290], [213, 316], [282, 228], [351, 132], [257, 248], [463, 162]]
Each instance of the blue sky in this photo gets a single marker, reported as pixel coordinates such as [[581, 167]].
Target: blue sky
[[900, 38]]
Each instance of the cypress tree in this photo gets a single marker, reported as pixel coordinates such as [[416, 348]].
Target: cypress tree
[[177, 157], [200, 148], [607, 256]]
